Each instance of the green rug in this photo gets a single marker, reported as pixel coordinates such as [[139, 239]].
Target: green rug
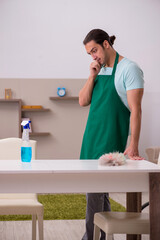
[[62, 206]]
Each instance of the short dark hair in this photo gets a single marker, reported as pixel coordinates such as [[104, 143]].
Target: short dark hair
[[99, 36]]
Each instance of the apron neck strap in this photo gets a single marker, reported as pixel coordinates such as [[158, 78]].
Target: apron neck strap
[[115, 63]]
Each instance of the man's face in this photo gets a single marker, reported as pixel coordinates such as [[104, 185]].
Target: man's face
[[96, 51]]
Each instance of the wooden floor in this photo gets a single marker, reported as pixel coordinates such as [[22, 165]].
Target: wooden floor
[[55, 229]]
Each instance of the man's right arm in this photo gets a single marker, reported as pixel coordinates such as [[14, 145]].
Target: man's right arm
[[85, 93]]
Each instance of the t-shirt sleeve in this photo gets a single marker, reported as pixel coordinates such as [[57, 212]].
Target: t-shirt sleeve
[[134, 77]]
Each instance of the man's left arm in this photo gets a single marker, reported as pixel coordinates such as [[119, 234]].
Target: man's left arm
[[134, 98]]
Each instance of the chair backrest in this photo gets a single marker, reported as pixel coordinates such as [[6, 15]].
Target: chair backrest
[[153, 154], [10, 148]]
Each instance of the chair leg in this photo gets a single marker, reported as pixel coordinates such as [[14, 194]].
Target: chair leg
[[40, 226], [33, 227], [96, 232]]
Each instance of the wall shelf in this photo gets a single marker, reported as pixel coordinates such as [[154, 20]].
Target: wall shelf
[[10, 100], [24, 111], [64, 98], [35, 109]]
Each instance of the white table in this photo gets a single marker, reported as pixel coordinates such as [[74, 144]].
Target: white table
[[67, 176]]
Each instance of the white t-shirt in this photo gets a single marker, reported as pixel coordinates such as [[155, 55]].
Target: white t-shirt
[[128, 76]]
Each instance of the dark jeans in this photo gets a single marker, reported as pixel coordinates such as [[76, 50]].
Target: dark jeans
[[96, 202]]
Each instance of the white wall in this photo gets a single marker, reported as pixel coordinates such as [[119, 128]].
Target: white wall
[[43, 39]]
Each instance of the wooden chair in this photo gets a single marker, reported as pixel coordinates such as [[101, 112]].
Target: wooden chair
[[15, 204], [125, 222], [120, 223], [153, 153]]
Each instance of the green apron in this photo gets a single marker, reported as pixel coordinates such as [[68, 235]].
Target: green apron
[[108, 120]]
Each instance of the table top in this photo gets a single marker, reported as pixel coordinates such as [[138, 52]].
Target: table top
[[74, 166]]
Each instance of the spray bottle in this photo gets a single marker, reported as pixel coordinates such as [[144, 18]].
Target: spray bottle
[[26, 150]]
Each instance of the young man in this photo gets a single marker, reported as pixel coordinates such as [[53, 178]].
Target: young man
[[114, 89]]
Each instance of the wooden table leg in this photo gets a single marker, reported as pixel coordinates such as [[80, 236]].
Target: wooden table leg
[[154, 201], [134, 202]]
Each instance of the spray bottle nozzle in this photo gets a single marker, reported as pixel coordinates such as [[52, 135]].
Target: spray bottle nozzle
[[25, 124]]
